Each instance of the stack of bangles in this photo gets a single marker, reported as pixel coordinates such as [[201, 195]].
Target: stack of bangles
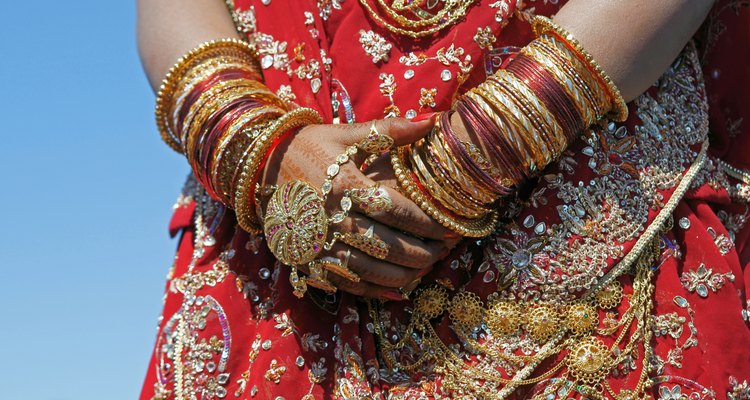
[[525, 116], [213, 108]]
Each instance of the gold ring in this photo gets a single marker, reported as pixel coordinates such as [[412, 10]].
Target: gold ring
[[372, 199], [367, 242], [376, 142], [317, 278], [408, 289], [336, 266]]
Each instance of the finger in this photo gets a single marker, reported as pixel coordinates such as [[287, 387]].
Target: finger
[[365, 289], [404, 250], [372, 270], [361, 288], [402, 213], [400, 130]]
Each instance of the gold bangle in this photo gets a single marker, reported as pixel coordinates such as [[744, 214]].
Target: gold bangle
[[505, 104], [206, 106], [461, 186], [246, 217], [571, 64], [452, 170], [555, 136], [570, 80], [471, 228], [193, 57], [512, 134], [496, 84], [452, 187], [230, 149], [195, 76], [439, 192], [619, 108]]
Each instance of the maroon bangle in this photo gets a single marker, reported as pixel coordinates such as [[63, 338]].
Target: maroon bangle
[[463, 157], [205, 148], [550, 93], [207, 84], [492, 136]]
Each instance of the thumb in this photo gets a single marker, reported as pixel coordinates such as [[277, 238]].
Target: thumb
[[401, 130], [404, 131]]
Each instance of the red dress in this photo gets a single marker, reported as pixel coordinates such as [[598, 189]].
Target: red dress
[[647, 207]]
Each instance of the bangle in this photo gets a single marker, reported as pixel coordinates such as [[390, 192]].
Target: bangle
[[471, 228], [231, 147], [619, 109], [196, 56], [244, 200]]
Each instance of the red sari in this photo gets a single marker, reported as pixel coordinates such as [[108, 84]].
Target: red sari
[[658, 199]]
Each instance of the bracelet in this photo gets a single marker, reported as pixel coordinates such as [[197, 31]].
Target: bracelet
[[619, 108], [524, 116], [244, 201], [197, 55]]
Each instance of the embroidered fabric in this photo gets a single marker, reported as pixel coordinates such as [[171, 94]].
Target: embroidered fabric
[[629, 251]]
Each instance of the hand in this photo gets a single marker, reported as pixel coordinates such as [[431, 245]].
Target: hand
[[416, 241]]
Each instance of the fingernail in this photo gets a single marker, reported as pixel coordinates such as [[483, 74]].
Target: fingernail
[[423, 117], [424, 272], [395, 296]]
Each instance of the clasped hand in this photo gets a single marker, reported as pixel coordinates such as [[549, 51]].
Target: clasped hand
[[415, 241]]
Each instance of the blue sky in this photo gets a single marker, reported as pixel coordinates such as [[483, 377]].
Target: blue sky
[[87, 193]]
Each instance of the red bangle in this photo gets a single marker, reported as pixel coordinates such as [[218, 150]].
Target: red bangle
[[550, 93]]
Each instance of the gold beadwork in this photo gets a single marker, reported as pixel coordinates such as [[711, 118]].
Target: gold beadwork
[[451, 11], [610, 296], [430, 302], [466, 311], [589, 360], [542, 321], [504, 317], [581, 318]]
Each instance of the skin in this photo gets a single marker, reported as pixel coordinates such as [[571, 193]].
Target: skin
[[633, 41]]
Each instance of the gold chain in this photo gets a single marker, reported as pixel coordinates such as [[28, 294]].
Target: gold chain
[[453, 11]]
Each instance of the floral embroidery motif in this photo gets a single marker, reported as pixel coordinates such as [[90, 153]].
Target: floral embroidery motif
[[665, 393], [274, 372], [375, 46], [388, 89], [738, 391], [484, 38], [427, 97], [671, 325], [733, 223], [616, 153], [503, 9], [327, 6], [722, 242], [703, 278], [246, 22], [518, 260], [285, 93]]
